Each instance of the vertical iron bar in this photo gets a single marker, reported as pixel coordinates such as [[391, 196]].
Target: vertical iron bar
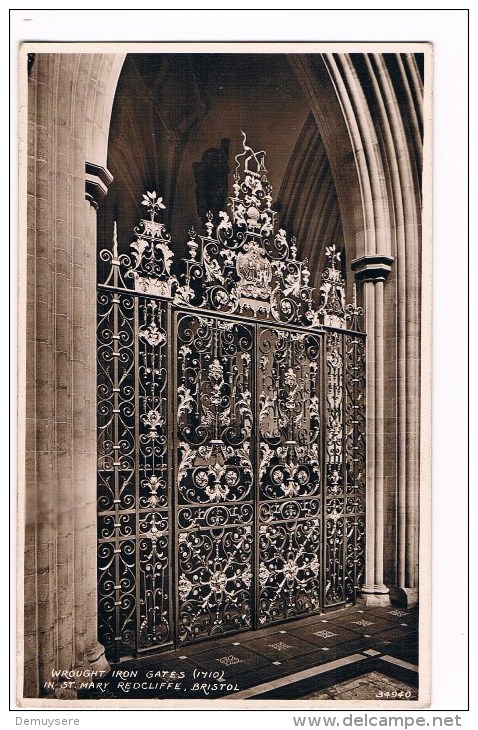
[[355, 454], [343, 337], [256, 488], [117, 553], [363, 386], [323, 463], [136, 345], [173, 317]]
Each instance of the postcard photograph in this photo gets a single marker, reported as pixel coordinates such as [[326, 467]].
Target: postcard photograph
[[224, 338]]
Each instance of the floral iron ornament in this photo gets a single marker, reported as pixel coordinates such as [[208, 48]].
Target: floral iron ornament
[[244, 264], [231, 420]]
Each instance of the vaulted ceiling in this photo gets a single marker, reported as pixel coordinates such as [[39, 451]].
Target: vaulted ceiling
[[176, 127]]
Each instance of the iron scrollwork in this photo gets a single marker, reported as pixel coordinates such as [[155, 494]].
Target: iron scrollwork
[[134, 494], [355, 464], [231, 419], [334, 486], [345, 466], [289, 474], [116, 469]]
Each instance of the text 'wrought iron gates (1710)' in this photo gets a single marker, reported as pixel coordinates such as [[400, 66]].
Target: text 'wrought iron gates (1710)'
[[231, 420]]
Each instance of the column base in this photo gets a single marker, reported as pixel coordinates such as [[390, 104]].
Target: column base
[[97, 659], [65, 693], [374, 596], [94, 669], [406, 597]]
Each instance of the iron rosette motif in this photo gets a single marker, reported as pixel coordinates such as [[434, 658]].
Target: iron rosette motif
[[289, 571], [215, 578], [154, 564]]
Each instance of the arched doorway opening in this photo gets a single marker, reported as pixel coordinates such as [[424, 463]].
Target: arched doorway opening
[[258, 432]]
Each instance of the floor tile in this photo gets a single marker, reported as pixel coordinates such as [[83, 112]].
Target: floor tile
[[400, 663], [216, 641], [405, 649], [325, 634], [363, 624], [234, 661], [396, 632], [284, 647], [395, 614], [370, 686], [272, 654]]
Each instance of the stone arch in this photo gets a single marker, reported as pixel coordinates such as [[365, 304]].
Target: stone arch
[[368, 108]]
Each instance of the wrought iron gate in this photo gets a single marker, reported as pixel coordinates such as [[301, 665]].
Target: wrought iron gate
[[231, 420]]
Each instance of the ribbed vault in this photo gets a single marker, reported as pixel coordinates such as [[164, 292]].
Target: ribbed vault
[[308, 199], [162, 126]]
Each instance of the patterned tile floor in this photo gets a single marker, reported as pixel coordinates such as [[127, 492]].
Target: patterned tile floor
[[293, 659], [370, 686]]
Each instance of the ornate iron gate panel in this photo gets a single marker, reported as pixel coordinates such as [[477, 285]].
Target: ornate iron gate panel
[[231, 419], [345, 467], [215, 476], [354, 424], [289, 473], [134, 470]]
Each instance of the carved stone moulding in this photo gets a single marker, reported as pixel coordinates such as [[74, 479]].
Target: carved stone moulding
[[375, 267], [97, 181]]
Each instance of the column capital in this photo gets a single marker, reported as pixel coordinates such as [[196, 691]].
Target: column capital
[[97, 181], [374, 267]]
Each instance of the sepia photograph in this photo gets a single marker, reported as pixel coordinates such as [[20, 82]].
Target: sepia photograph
[[225, 367]]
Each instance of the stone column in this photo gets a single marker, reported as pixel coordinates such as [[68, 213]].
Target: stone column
[[60, 406], [371, 272]]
